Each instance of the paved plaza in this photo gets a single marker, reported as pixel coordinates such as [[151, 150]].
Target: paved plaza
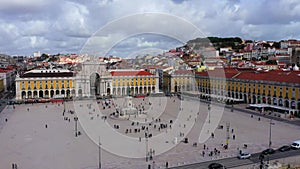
[[42, 135]]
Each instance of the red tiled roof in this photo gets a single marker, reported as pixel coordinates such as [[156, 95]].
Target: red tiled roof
[[273, 76], [131, 73], [225, 73], [155, 67], [182, 72], [5, 70]]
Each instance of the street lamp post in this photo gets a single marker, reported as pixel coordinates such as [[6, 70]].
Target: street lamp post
[[208, 112], [99, 148], [146, 139], [76, 119], [64, 104], [270, 137]]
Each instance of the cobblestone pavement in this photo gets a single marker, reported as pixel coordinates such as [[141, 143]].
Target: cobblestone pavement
[[42, 136]]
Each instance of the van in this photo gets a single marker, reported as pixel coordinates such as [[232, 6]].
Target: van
[[296, 144]]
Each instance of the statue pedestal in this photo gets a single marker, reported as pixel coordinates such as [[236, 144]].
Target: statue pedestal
[[128, 109]]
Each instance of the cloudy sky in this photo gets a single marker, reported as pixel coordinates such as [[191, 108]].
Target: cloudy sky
[[119, 27]]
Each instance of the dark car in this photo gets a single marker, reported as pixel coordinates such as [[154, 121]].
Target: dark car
[[216, 166], [268, 151], [284, 148]]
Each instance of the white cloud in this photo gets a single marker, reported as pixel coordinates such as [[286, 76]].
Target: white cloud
[[8, 33], [73, 20], [35, 27], [59, 26], [37, 42]]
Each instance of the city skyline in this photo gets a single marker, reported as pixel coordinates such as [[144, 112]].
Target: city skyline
[[64, 27]]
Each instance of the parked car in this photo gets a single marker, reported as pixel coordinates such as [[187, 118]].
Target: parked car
[[284, 148], [244, 155], [296, 145], [268, 151], [216, 166]]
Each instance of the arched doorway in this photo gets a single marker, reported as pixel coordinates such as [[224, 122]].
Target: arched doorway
[[35, 94], [258, 99], [274, 101], [286, 103], [95, 84], [51, 93], [63, 93], [254, 99], [108, 91], [68, 93], [80, 92], [29, 95], [57, 92], [269, 100], [47, 93], [280, 102], [264, 100], [41, 94], [293, 104], [23, 94], [73, 93]]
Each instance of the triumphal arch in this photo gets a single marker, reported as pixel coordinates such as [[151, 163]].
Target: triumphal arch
[[92, 78]]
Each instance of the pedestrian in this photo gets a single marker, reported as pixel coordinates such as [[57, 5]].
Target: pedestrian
[[167, 164], [5, 120], [46, 126], [204, 146], [231, 130], [212, 135], [233, 137], [203, 153]]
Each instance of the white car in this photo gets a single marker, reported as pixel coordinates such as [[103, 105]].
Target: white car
[[244, 156], [296, 144]]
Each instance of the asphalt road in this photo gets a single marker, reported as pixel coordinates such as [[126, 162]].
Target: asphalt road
[[235, 162]]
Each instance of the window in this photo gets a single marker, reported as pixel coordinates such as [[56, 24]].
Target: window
[[293, 93], [23, 85]]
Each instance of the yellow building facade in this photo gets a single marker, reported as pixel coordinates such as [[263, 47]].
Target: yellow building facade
[[52, 83], [2, 84], [132, 82], [276, 88]]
